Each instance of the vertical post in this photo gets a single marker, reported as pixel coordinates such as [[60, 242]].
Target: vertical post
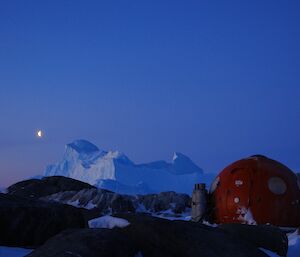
[[199, 202]]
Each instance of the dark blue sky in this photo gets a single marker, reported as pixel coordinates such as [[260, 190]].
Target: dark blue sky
[[217, 80]]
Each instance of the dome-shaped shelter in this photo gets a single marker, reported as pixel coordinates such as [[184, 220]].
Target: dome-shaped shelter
[[257, 189]]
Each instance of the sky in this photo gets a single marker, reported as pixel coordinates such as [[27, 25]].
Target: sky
[[215, 80]]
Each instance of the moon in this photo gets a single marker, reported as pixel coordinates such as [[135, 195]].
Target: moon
[[39, 134]]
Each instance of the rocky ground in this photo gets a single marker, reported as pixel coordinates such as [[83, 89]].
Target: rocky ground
[[148, 236], [34, 214], [72, 192]]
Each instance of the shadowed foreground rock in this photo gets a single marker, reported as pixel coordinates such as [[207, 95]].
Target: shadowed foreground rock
[[150, 237], [30, 223], [268, 237]]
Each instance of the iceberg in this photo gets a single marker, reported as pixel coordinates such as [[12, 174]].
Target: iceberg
[[113, 170]]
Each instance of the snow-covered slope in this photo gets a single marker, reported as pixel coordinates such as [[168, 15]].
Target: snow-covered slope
[[114, 171]]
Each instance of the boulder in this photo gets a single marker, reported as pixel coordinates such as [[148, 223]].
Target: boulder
[[149, 237], [29, 223], [265, 236], [87, 243]]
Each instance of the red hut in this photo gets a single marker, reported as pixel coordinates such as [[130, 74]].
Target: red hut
[[257, 190]]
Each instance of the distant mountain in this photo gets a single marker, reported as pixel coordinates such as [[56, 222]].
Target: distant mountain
[[114, 171]]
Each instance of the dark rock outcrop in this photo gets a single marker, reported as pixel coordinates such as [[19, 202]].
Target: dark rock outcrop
[[103, 200], [107, 201], [36, 188], [25, 222], [150, 237]]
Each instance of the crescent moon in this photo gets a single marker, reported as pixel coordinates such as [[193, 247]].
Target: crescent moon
[[39, 133]]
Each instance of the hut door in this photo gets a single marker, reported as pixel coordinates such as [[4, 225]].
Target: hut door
[[238, 193]]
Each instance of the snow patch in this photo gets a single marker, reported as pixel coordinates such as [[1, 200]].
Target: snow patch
[[90, 205], [141, 208], [246, 216], [213, 225], [108, 222], [77, 204], [13, 251], [74, 203], [294, 238], [294, 244], [269, 253]]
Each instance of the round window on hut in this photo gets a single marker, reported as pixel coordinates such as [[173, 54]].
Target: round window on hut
[[277, 185]]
